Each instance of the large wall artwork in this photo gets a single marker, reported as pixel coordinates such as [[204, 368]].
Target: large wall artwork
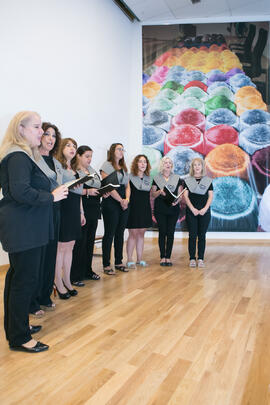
[[206, 94]]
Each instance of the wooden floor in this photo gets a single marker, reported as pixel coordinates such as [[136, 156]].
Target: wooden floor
[[155, 336]]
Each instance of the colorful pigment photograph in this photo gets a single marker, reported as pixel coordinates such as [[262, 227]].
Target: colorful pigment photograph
[[206, 93]]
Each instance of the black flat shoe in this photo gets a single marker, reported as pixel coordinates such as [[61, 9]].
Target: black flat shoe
[[163, 264], [92, 276], [39, 347], [64, 296], [169, 264], [78, 283], [35, 328]]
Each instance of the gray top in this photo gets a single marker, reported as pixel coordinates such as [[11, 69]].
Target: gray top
[[198, 188], [143, 184], [95, 181], [56, 178], [68, 176], [171, 184], [122, 176]]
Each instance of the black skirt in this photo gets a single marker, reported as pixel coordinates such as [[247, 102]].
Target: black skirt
[[70, 222]]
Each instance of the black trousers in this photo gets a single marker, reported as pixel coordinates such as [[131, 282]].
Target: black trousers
[[22, 279], [115, 221], [43, 294], [83, 252], [197, 226], [166, 228]]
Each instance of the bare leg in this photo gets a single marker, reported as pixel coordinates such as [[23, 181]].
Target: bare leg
[[67, 260], [140, 243], [59, 268], [131, 242]]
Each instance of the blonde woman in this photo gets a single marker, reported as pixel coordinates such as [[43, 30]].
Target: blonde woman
[[26, 225], [198, 197], [166, 214]]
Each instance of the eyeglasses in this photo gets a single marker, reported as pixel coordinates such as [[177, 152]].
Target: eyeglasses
[[120, 149]]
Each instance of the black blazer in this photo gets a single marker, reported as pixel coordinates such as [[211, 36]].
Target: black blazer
[[26, 209]]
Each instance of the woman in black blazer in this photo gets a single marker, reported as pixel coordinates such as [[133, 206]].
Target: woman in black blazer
[[26, 225]]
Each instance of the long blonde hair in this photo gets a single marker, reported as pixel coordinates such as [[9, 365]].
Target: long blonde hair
[[14, 138], [201, 161]]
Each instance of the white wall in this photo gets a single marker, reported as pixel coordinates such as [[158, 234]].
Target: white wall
[[76, 62]]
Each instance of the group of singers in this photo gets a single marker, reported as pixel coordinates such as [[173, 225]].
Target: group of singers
[[49, 230]]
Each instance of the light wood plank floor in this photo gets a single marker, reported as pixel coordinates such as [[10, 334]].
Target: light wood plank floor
[[155, 336]]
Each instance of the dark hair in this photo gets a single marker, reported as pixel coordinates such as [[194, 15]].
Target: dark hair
[[134, 165], [47, 125], [80, 151], [111, 157], [60, 156]]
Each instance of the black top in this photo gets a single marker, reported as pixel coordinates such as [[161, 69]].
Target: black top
[[91, 206], [198, 200], [26, 209], [160, 205]]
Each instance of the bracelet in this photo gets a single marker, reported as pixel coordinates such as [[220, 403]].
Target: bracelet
[[82, 212], [127, 199]]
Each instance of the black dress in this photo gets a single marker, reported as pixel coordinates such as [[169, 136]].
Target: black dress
[[70, 219], [139, 209]]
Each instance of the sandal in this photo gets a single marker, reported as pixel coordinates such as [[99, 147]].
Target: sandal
[[121, 267], [48, 307], [142, 263], [131, 265], [93, 276], [38, 314], [109, 272]]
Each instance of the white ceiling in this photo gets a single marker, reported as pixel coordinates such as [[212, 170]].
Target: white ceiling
[[168, 11]]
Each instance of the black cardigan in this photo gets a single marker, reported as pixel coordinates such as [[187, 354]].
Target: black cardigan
[[26, 209]]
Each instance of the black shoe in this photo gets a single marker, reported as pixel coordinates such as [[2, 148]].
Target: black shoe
[[64, 296], [78, 283], [92, 276], [71, 293], [169, 264], [39, 347], [163, 264], [35, 328]]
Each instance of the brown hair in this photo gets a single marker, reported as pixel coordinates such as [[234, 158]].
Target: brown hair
[[111, 157], [134, 165], [60, 156], [45, 127], [80, 151]]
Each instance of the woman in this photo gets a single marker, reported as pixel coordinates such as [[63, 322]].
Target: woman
[[166, 214], [81, 268], [71, 220], [115, 209], [140, 216], [198, 196], [50, 141], [26, 225]]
